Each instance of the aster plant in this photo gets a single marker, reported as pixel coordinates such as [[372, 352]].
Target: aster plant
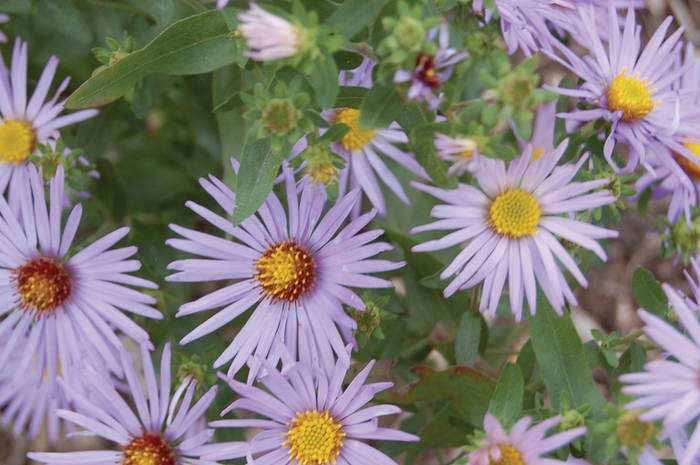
[[373, 217]]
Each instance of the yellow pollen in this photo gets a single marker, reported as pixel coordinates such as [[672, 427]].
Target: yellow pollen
[[466, 154], [323, 174], [43, 284], [537, 153], [357, 137], [286, 271], [314, 438], [509, 456], [630, 95], [691, 167], [148, 449], [514, 213], [17, 140]]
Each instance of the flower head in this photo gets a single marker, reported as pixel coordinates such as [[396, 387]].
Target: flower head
[[150, 436], [629, 87], [523, 445], [431, 71], [270, 36], [311, 419], [462, 152], [70, 305], [670, 388], [24, 124], [510, 226], [294, 271]]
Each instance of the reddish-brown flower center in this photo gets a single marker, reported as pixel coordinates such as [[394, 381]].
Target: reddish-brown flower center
[[43, 284], [286, 271], [148, 449], [425, 71]]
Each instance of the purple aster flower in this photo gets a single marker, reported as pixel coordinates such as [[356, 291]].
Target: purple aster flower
[[462, 152], [670, 389], [70, 305], [25, 123], [294, 269], [29, 402], [430, 71], [510, 224], [221, 3], [154, 431], [270, 36], [679, 442], [311, 420], [630, 88], [542, 139], [523, 445]]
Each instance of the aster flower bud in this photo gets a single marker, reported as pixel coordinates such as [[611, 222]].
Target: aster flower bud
[[270, 36]]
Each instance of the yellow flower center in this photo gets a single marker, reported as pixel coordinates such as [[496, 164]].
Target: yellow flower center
[[509, 456], [148, 449], [17, 140], [286, 271], [692, 168], [632, 431], [537, 153], [314, 438], [514, 213], [630, 95], [357, 137], [43, 285]]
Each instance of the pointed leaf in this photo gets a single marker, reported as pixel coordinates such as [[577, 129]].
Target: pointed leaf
[[354, 15], [648, 292], [507, 401], [380, 107]]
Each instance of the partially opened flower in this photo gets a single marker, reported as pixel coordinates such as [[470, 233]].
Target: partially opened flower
[[523, 445], [310, 418], [270, 36], [510, 224], [25, 123], [71, 304], [462, 152], [431, 71], [670, 388], [295, 272], [628, 86], [153, 433]]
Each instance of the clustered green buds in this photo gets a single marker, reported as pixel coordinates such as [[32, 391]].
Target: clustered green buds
[[681, 238], [278, 114], [116, 51], [51, 156], [407, 34], [369, 320]]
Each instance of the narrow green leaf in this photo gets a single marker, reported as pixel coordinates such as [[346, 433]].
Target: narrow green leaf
[[259, 167], [110, 190], [194, 45], [526, 361], [232, 102], [161, 10], [350, 97], [468, 337], [336, 132], [63, 16], [423, 146], [381, 106], [562, 359], [354, 15], [649, 293], [507, 401], [468, 390], [324, 80]]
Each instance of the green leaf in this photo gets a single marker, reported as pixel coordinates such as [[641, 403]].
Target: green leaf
[[15, 6], [324, 80], [350, 97], [111, 190], [438, 432], [562, 359], [63, 16], [467, 339], [468, 390], [507, 401], [161, 10], [381, 106], [649, 293], [194, 45], [354, 15], [526, 361], [232, 102], [423, 137], [336, 132], [259, 167]]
